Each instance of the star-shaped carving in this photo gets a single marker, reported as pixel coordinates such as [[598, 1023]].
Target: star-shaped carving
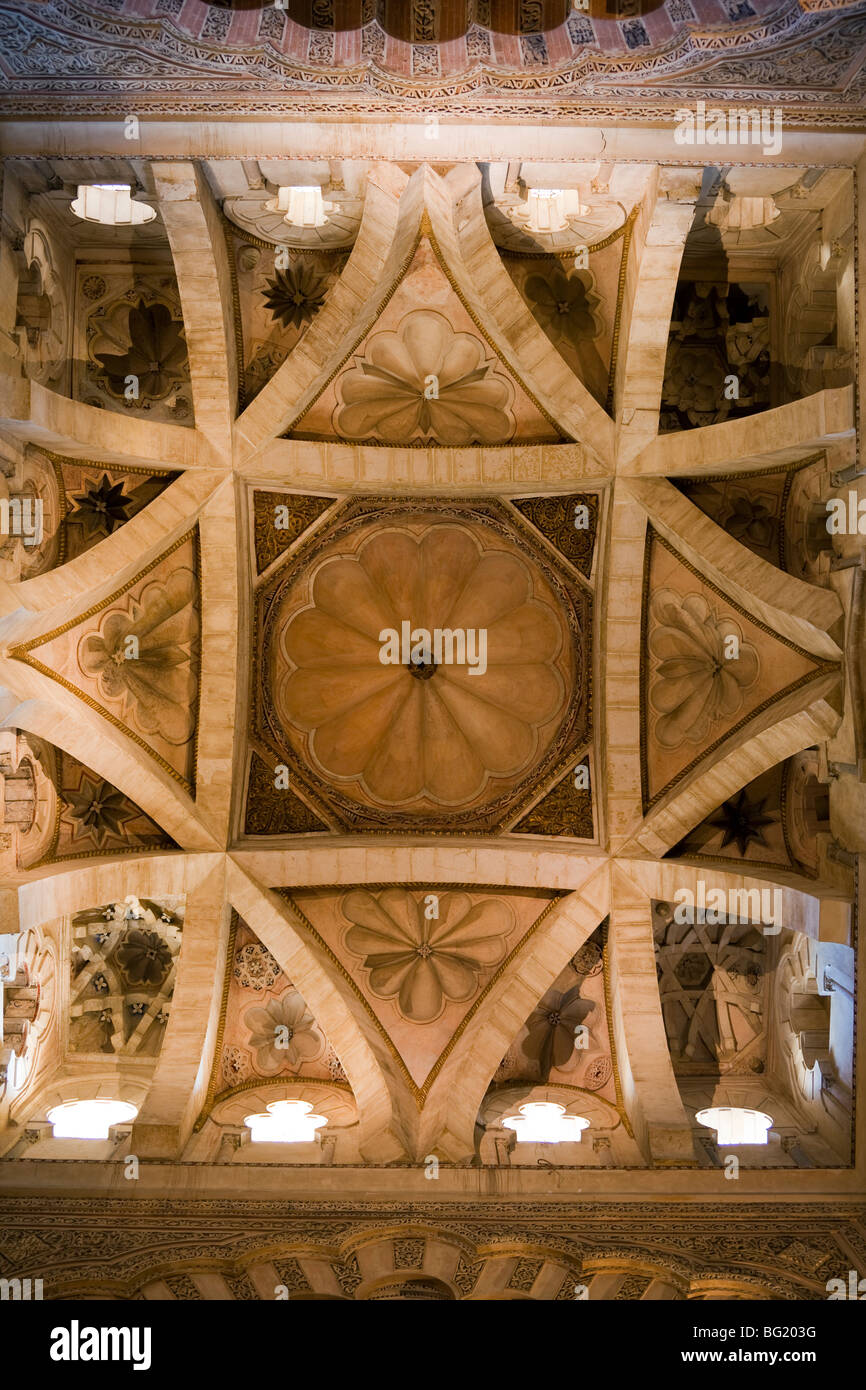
[[742, 821], [99, 809], [102, 508], [294, 296]]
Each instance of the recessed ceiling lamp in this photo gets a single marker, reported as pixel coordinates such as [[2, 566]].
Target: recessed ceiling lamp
[[89, 1119], [734, 1125], [740, 214], [301, 204], [545, 1122], [550, 208], [111, 204], [285, 1122]]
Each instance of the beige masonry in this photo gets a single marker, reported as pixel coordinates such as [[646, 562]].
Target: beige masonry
[[651, 1154]]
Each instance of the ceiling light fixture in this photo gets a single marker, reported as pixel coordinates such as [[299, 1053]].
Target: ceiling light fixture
[[734, 1125], [741, 214], [545, 1122], [111, 204], [89, 1119], [285, 1122], [302, 205], [550, 208]]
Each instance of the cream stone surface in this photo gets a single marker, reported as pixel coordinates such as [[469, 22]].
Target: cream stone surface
[[795, 610], [393, 741], [192, 225], [639, 396], [784, 434]]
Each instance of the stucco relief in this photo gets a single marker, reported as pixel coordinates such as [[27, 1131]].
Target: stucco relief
[[453, 737], [708, 667], [696, 684], [155, 686], [269, 1031], [136, 659], [420, 960], [425, 382], [131, 351], [28, 982], [123, 962], [729, 59], [566, 1039], [426, 375]]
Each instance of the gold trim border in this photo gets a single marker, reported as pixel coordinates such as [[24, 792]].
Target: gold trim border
[[608, 1008], [21, 652], [427, 230], [419, 1093], [382, 304], [628, 231], [821, 669]]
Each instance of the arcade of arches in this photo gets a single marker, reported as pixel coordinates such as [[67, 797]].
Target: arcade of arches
[[444, 319]]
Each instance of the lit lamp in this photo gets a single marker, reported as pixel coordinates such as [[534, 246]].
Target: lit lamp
[[734, 1125], [89, 1119], [302, 205], [545, 1122], [111, 204], [285, 1122], [549, 209]]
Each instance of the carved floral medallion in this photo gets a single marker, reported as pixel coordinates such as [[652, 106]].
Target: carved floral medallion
[[438, 737]]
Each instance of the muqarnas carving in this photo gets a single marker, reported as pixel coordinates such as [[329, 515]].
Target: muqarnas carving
[[132, 353], [122, 973], [718, 360], [712, 983]]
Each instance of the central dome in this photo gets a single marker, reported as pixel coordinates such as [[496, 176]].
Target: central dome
[[422, 662]]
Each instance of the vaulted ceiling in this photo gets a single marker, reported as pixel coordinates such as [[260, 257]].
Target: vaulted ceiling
[[260, 842]]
